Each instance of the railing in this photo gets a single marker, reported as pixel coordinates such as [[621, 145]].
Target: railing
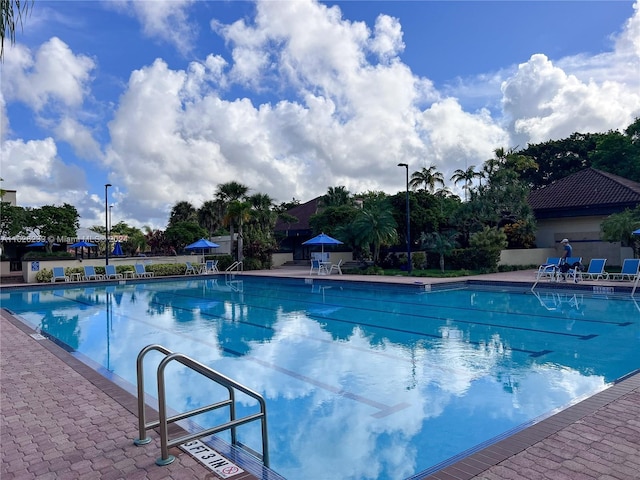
[[164, 421], [235, 267]]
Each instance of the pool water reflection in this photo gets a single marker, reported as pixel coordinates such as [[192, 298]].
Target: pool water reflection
[[361, 381]]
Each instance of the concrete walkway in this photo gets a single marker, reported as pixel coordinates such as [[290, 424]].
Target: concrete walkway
[[62, 420]]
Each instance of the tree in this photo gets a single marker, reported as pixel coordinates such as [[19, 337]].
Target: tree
[[428, 178], [183, 233], [238, 212], [336, 197], [487, 244], [227, 193], [466, 177], [51, 221], [619, 227], [440, 243], [12, 219], [210, 216], [183, 212], [375, 225], [13, 11]]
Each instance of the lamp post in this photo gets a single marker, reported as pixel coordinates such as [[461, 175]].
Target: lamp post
[[406, 166], [106, 221], [110, 216]]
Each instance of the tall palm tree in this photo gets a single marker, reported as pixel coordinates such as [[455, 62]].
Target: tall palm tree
[[238, 212], [428, 178], [13, 11], [466, 176], [227, 193]]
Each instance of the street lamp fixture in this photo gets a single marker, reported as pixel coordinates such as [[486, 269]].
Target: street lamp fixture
[[106, 221], [406, 166]]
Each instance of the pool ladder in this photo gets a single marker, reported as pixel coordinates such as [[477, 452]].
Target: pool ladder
[[164, 421]]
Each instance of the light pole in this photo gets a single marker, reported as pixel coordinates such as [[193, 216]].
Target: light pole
[[106, 221], [110, 216], [406, 166]]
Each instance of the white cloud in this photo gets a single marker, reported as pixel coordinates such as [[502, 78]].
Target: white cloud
[[43, 178], [164, 20], [53, 77]]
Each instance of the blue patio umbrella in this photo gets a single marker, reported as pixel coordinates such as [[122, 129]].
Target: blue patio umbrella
[[117, 249], [41, 244], [82, 244], [636, 232], [37, 244], [202, 244], [322, 240]]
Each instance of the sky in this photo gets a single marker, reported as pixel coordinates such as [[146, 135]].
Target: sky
[[167, 100]]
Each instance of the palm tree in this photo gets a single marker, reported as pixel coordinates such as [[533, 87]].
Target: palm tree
[[427, 177], [238, 212], [375, 225], [210, 215], [227, 193], [183, 212], [13, 12], [440, 243], [465, 176], [336, 197]]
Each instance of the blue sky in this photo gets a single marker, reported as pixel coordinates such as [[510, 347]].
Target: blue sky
[[166, 100]]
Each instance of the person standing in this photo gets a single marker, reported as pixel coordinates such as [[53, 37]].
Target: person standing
[[568, 253]]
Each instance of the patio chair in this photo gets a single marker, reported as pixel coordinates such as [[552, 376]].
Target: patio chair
[[595, 270], [319, 267], [548, 269], [110, 272], [630, 270], [90, 273], [58, 274], [191, 270], [141, 271], [212, 266], [336, 267]]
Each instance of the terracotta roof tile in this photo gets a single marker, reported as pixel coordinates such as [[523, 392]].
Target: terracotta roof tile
[[586, 189]]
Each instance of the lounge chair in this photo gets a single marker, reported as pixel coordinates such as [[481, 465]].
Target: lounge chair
[[319, 267], [630, 270], [211, 266], [90, 273], [595, 270], [141, 271], [336, 267], [58, 274], [110, 272], [191, 270], [548, 269]]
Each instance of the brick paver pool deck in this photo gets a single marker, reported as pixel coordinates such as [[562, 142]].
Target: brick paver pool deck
[[60, 419]]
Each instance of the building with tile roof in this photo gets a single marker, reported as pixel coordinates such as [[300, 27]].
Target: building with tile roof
[[574, 208]]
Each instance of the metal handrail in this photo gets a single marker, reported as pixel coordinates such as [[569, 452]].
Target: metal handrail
[[164, 421], [235, 266]]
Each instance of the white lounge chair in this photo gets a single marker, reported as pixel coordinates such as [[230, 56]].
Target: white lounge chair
[[191, 270], [58, 274], [111, 273], [548, 269], [141, 271], [211, 266], [336, 267], [90, 273], [630, 270]]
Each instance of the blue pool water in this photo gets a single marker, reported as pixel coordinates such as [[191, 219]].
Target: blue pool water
[[362, 381]]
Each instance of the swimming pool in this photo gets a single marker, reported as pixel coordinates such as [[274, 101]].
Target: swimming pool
[[361, 381]]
